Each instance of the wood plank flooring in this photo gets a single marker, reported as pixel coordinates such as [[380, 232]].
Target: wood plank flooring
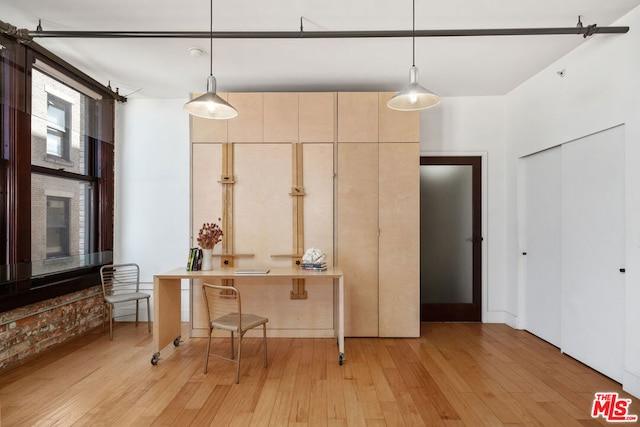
[[455, 374]]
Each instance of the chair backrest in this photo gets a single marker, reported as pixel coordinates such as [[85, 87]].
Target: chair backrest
[[120, 278], [221, 301]]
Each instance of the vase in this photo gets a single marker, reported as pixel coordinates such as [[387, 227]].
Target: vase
[[207, 263]]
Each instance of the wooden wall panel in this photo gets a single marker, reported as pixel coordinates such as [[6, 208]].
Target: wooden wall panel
[[318, 199], [317, 116], [280, 117], [357, 117], [312, 317], [357, 240], [208, 130], [247, 126], [206, 206], [397, 126], [262, 209], [399, 245], [206, 191], [376, 238]]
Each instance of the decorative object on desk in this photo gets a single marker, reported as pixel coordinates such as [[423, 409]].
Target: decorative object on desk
[[208, 237], [207, 263], [314, 259], [194, 262]]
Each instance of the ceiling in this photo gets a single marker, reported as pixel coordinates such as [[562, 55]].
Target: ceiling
[[449, 66]]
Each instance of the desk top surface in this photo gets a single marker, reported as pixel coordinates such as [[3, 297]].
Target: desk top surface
[[231, 272]]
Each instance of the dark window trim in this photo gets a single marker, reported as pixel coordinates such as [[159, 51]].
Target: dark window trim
[[18, 289], [65, 132]]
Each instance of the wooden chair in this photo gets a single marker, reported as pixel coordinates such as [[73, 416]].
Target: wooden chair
[[224, 311], [121, 283]]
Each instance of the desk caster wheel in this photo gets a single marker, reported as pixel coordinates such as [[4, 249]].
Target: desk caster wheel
[[341, 359], [176, 342], [155, 358]]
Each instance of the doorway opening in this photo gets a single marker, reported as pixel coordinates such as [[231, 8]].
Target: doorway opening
[[450, 238]]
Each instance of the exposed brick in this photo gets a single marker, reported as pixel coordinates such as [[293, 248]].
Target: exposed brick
[[25, 337]]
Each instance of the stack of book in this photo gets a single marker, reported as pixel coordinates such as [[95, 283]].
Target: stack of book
[[315, 266], [194, 263]]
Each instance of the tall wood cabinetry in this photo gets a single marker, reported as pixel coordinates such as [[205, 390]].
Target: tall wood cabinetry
[[378, 215], [361, 206]]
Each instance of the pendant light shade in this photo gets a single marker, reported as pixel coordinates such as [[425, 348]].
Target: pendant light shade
[[413, 97], [210, 105]]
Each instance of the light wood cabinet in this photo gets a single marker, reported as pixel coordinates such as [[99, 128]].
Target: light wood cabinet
[[317, 116], [357, 239], [394, 125], [399, 242], [361, 169], [357, 117], [247, 126], [280, 117], [207, 130]]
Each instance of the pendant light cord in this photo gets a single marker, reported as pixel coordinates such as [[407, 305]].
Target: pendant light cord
[[211, 39], [413, 33]]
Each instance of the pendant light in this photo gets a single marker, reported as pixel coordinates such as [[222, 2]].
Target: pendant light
[[413, 97], [210, 105]]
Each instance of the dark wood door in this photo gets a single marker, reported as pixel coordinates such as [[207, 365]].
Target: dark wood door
[[450, 238]]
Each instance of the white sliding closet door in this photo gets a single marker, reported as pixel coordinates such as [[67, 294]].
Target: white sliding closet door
[[593, 251], [541, 243]]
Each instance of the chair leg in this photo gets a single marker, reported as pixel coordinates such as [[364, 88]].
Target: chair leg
[[240, 335], [232, 357], [104, 315], [206, 360], [137, 310], [111, 322], [148, 315], [264, 336]]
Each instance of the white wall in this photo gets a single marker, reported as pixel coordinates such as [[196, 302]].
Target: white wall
[[476, 126], [599, 90], [152, 187]]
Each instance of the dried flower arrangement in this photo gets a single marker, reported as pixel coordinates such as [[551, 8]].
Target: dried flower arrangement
[[209, 235]]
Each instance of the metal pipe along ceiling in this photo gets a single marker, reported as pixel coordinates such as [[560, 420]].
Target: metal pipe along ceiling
[[578, 30]]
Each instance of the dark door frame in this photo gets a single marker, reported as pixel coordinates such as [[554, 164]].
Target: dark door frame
[[470, 312]]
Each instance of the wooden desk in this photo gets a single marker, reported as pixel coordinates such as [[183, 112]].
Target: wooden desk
[[166, 300]]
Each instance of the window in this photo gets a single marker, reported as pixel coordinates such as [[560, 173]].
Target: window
[[58, 112], [57, 237], [56, 176]]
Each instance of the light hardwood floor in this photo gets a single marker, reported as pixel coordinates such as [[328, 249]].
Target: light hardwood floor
[[455, 374]]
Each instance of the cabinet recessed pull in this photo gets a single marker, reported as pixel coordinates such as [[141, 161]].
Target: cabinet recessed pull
[[524, 253], [622, 270]]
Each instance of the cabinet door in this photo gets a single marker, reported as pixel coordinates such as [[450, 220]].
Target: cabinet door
[[357, 239], [207, 130], [394, 125], [358, 117], [247, 126], [206, 206], [593, 288], [399, 243], [280, 117], [317, 116]]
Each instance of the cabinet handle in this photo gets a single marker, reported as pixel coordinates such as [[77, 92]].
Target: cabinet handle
[[622, 270], [524, 253]]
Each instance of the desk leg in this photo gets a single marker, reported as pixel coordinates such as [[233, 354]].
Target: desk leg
[[166, 314], [340, 323]]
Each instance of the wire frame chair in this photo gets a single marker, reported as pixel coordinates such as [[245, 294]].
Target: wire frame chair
[[120, 284], [224, 311]]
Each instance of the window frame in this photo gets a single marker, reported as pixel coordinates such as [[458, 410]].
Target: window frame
[[62, 131], [18, 286]]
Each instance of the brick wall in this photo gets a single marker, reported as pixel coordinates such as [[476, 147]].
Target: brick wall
[[28, 330]]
